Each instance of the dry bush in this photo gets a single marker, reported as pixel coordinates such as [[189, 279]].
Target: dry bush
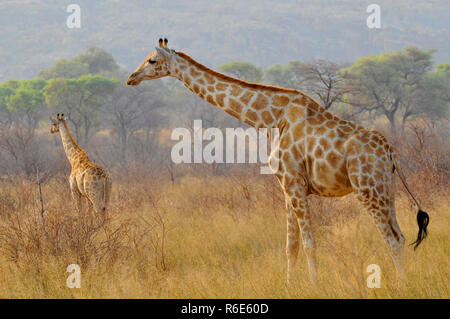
[[82, 239], [202, 234], [87, 239], [424, 155], [197, 238]]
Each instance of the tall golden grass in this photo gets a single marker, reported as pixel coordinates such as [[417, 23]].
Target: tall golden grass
[[208, 237]]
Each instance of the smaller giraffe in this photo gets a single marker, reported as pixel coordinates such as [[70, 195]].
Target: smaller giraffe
[[87, 178]]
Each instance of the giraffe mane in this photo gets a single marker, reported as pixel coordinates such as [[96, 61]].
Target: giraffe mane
[[250, 85], [71, 138]]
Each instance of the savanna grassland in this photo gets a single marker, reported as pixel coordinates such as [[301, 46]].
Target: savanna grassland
[[213, 230], [205, 236]]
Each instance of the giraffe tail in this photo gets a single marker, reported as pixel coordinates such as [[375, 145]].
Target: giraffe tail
[[422, 217]]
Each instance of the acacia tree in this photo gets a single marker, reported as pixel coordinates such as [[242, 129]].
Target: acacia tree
[[80, 99], [288, 76], [393, 84], [98, 60], [441, 76], [323, 81], [21, 105], [6, 91], [130, 109], [319, 78], [93, 61], [65, 69], [432, 99], [243, 70]]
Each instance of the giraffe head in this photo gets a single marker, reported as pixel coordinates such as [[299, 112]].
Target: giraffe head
[[55, 123], [158, 64]]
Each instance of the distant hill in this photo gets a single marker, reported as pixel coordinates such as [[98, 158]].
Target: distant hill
[[33, 33]]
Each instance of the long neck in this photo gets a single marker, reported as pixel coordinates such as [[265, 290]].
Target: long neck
[[73, 151], [255, 104]]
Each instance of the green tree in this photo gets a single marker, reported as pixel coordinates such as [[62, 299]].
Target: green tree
[[80, 99], [318, 78], [433, 98], [22, 103], [443, 73], [65, 69], [323, 81], [443, 69], [243, 70], [130, 109], [393, 84], [93, 61], [287, 76], [5, 115], [98, 60]]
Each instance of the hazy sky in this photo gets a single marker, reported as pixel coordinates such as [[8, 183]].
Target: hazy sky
[[34, 33]]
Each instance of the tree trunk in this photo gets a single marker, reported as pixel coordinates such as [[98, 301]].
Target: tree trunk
[[391, 118]]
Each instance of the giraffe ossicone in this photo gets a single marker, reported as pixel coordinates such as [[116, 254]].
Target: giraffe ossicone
[[318, 152]]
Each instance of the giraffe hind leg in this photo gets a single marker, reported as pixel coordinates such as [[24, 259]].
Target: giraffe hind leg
[[76, 196], [386, 221], [98, 202], [107, 194], [96, 191], [100, 196]]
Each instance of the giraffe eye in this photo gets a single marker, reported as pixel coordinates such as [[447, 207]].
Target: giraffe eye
[[151, 61]]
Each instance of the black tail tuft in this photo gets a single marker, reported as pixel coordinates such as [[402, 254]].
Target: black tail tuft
[[422, 220]]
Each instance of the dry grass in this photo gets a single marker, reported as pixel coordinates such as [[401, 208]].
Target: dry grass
[[201, 237]]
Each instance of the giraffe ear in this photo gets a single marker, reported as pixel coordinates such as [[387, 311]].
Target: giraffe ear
[[163, 53]]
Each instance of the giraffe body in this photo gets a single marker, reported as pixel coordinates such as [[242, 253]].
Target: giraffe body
[[318, 152], [87, 180]]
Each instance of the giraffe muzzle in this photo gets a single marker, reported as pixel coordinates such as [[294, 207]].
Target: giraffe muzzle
[[132, 79]]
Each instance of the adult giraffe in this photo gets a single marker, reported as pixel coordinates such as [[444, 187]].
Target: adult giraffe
[[319, 153]]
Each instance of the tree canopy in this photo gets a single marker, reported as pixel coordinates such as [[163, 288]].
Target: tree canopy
[[395, 84], [22, 99], [80, 99], [243, 70], [93, 61]]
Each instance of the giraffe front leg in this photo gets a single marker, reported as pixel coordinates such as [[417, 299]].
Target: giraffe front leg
[[302, 212], [97, 194], [295, 189], [292, 244]]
